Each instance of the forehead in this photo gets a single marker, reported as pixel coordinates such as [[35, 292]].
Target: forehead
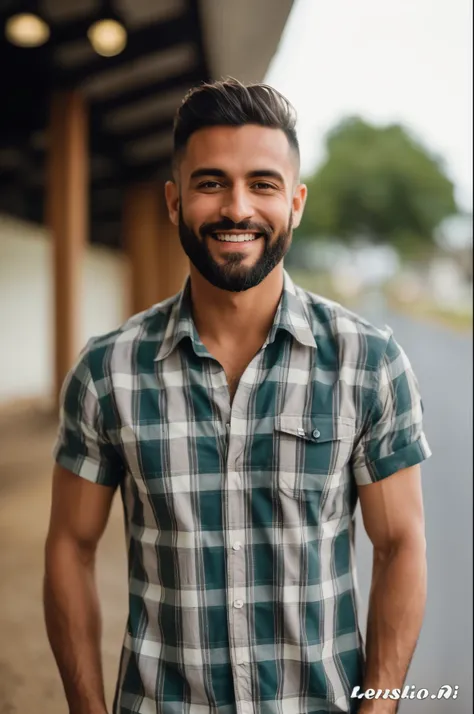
[[238, 149]]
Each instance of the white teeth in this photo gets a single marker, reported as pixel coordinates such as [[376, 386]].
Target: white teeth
[[229, 238]]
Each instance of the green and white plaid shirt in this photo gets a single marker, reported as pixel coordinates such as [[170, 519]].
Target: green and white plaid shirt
[[239, 518]]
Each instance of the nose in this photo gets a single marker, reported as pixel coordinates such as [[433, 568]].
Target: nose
[[237, 205]]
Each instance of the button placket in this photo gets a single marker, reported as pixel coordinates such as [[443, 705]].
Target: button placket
[[238, 584], [236, 577]]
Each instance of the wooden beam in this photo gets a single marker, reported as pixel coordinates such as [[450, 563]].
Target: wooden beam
[[187, 79], [67, 217], [158, 35]]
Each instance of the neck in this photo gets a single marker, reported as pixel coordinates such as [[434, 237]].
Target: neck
[[238, 319]]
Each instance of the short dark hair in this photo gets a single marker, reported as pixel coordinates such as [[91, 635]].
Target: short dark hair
[[231, 103]]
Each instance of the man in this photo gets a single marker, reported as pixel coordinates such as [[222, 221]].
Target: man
[[241, 420]]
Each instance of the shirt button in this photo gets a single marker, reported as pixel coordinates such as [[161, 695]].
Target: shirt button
[[237, 545], [316, 433], [238, 604]]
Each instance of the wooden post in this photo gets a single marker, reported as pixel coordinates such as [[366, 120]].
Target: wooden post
[[158, 264], [141, 228], [173, 261], [67, 217]]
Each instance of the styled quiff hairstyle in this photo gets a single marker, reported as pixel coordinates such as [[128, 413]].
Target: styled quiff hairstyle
[[231, 103]]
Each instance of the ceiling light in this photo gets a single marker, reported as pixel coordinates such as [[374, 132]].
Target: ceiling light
[[26, 30], [107, 37]]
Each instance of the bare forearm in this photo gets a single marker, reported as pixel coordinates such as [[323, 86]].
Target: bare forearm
[[73, 623], [396, 608]]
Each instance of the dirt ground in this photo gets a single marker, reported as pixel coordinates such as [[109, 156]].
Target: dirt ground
[[29, 680]]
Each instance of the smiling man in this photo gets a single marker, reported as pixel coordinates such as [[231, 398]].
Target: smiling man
[[242, 420]]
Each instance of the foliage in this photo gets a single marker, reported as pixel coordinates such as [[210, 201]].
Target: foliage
[[379, 184]]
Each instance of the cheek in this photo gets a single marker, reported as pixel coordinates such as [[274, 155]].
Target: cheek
[[200, 209], [279, 218], [276, 209]]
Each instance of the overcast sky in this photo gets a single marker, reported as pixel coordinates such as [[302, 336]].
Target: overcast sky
[[387, 60]]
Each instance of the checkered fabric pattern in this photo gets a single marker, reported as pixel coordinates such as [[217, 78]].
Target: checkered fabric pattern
[[239, 518]]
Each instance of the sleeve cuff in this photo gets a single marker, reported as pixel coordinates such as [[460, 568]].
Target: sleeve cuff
[[86, 468], [410, 455]]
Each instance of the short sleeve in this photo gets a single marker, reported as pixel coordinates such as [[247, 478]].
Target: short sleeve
[[81, 445], [392, 437]]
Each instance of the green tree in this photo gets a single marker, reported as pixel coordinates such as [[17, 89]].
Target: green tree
[[378, 183]]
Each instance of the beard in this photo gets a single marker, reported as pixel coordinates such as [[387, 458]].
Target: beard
[[232, 275]]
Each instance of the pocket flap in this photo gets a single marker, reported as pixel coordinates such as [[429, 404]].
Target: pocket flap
[[316, 428]]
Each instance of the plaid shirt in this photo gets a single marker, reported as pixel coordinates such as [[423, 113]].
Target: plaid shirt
[[239, 518]]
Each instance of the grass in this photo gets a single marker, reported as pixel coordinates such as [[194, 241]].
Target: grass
[[321, 284], [458, 320]]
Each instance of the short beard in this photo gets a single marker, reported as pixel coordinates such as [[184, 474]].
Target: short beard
[[231, 276]]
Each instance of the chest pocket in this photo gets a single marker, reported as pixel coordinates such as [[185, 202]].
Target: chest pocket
[[312, 451]]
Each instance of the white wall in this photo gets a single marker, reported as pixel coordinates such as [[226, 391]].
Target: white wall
[[26, 305]]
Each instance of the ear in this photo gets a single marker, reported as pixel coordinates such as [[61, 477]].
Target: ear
[[298, 203], [172, 201]]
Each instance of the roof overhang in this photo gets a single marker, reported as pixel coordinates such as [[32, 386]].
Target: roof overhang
[[241, 37], [132, 97]]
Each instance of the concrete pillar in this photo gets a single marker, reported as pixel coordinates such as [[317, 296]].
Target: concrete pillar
[[158, 264], [68, 220]]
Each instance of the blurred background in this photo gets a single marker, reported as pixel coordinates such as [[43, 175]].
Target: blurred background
[[88, 91]]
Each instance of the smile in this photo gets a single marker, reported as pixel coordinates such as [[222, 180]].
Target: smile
[[236, 237]]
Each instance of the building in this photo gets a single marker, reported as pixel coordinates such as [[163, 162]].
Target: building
[[85, 144]]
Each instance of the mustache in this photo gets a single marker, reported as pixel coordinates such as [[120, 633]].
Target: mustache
[[228, 225]]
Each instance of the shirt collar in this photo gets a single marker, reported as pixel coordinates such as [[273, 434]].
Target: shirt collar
[[291, 316]]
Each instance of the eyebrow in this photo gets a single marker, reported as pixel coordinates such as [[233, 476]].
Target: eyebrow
[[257, 173]]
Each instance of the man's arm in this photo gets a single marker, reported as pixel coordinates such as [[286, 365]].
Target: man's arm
[[392, 511], [79, 514]]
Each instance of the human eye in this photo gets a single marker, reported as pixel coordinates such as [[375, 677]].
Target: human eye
[[264, 186], [209, 185]]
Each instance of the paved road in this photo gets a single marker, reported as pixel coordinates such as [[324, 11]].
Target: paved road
[[443, 363]]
